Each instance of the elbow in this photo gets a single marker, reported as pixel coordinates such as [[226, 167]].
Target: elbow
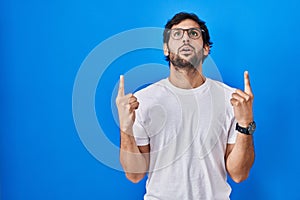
[[134, 178], [238, 174], [239, 178]]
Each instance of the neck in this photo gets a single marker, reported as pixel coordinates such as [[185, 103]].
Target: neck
[[186, 78]]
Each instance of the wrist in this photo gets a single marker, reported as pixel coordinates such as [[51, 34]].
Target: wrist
[[247, 130], [244, 124], [128, 130]]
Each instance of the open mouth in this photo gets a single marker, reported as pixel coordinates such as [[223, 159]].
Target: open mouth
[[186, 51]]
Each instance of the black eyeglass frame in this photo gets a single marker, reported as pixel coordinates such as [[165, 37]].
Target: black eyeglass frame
[[188, 30]]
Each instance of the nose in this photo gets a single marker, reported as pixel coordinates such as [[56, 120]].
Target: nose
[[185, 37]]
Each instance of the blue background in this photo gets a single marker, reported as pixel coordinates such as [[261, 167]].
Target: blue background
[[43, 44]]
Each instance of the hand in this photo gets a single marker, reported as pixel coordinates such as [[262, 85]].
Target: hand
[[126, 104], [242, 103]]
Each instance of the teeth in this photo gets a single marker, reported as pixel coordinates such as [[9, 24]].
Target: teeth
[[186, 49]]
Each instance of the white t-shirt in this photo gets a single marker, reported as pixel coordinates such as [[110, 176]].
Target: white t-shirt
[[188, 130]]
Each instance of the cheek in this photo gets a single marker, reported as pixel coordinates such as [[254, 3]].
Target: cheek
[[199, 47], [197, 44], [174, 45]]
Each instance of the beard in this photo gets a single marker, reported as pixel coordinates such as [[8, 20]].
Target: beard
[[183, 63]]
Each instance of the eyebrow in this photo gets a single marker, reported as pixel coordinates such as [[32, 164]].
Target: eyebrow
[[186, 28]]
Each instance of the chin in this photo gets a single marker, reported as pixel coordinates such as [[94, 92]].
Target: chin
[[185, 63]]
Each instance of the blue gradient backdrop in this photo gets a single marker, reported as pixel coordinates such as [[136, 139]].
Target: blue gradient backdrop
[[43, 44]]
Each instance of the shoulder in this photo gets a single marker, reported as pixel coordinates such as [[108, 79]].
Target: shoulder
[[222, 85], [222, 93], [219, 86], [149, 96], [151, 90]]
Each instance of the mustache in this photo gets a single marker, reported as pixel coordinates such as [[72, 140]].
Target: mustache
[[184, 46]]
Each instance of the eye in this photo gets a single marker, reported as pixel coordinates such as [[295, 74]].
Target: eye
[[176, 33], [194, 33]]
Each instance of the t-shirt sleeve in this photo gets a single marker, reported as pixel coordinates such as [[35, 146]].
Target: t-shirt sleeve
[[140, 134], [139, 130], [232, 132]]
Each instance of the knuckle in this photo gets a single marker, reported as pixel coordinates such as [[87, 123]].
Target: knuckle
[[247, 98], [132, 98]]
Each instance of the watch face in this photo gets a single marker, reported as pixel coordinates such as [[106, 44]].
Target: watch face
[[251, 128]]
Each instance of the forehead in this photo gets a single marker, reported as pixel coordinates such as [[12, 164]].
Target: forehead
[[187, 23]]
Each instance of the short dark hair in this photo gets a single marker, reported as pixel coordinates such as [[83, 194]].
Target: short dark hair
[[179, 17]]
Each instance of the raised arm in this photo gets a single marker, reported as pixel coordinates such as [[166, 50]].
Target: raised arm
[[240, 156], [134, 159]]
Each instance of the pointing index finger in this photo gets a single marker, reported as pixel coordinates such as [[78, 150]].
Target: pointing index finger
[[121, 86], [247, 86]]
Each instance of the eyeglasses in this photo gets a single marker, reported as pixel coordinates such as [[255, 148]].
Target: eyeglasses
[[193, 33]]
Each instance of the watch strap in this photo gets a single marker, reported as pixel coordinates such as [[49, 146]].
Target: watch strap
[[246, 130]]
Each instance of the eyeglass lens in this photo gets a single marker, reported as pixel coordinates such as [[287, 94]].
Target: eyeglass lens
[[178, 33]]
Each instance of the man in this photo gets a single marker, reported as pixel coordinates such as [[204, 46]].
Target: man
[[186, 131]]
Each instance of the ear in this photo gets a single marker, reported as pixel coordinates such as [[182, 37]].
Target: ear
[[166, 49], [206, 49]]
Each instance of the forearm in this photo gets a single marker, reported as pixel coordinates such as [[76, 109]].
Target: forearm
[[132, 160], [241, 158]]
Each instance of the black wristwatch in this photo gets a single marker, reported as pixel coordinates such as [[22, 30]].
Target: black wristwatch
[[248, 130]]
